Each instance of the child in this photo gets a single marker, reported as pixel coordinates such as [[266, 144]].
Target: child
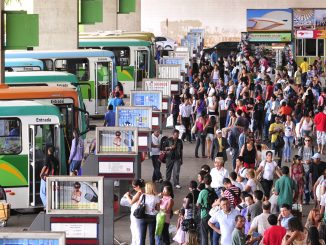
[[180, 236]]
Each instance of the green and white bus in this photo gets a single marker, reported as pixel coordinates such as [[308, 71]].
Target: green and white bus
[[135, 59], [68, 107], [95, 70], [27, 130]]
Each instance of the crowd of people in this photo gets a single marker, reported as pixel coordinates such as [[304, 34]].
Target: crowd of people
[[269, 126]]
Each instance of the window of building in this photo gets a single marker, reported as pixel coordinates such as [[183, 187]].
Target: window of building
[[299, 47], [310, 47], [10, 136], [321, 49], [76, 66]]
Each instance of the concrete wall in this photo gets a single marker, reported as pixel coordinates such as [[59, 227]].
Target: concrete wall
[[223, 20], [114, 21], [58, 24]]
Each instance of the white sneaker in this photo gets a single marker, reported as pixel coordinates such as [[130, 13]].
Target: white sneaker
[[178, 187]]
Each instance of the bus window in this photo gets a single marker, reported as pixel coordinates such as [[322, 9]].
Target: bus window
[[79, 67], [122, 55], [10, 136], [67, 113], [44, 138], [104, 79], [48, 64]]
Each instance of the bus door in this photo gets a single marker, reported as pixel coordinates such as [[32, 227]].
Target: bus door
[[41, 137], [141, 66], [103, 80]]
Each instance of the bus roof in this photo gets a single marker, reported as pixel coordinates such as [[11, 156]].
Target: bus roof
[[38, 92], [9, 62], [107, 42], [47, 54], [40, 76], [145, 36], [28, 108]]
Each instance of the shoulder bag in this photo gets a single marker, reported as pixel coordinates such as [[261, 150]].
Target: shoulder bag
[[139, 212]]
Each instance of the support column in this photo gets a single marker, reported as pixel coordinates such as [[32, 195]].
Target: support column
[[58, 24], [2, 48]]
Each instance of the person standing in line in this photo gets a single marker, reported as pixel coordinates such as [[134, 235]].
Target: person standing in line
[[174, 158], [138, 186], [156, 142], [152, 202], [109, 118], [76, 153], [50, 168]]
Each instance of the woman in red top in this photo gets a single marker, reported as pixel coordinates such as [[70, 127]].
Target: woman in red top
[[269, 90]]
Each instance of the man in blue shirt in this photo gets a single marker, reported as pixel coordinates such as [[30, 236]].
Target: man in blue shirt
[[109, 118], [116, 101]]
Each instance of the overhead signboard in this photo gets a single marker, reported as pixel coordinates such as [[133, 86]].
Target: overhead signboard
[[270, 37], [147, 98], [140, 117], [269, 20], [163, 85], [304, 34]]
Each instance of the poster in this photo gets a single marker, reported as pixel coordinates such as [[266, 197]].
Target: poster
[[163, 85], [140, 117], [147, 98], [29, 242], [75, 195], [320, 19], [303, 18], [116, 140], [269, 37], [269, 20], [32, 238]]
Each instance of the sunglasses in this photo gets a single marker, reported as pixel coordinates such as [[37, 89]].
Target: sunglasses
[[307, 140]]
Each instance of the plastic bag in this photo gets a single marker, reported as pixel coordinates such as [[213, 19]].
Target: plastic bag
[[124, 202], [169, 121], [160, 220]]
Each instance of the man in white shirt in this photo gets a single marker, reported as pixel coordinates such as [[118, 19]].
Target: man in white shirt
[[218, 173], [156, 142], [226, 219], [185, 112]]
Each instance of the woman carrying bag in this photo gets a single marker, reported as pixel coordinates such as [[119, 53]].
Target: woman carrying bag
[[137, 185], [151, 202], [266, 171]]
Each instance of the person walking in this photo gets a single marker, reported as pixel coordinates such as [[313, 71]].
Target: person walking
[[276, 130], [220, 144], [156, 142], [320, 124], [238, 235], [115, 101], [200, 134], [289, 134], [76, 153], [185, 112], [174, 158], [298, 175], [274, 234], [109, 117], [285, 188]]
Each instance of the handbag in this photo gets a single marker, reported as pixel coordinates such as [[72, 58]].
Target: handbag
[[194, 129], [139, 212], [260, 175], [169, 121], [162, 157]]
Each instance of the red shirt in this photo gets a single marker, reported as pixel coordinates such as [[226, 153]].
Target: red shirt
[[320, 121], [269, 91], [274, 235], [286, 110]]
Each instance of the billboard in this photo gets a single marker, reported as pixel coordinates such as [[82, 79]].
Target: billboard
[[32, 238], [147, 98], [269, 20], [74, 195], [175, 61], [303, 18], [163, 85], [273, 37], [320, 19], [116, 141], [140, 117]]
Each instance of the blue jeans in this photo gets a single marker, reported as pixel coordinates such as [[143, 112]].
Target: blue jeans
[[75, 165], [43, 192], [216, 236], [266, 126], [287, 146], [164, 238], [150, 221], [306, 188], [156, 165]]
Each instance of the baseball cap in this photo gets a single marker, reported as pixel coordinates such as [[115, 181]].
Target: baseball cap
[[316, 156], [259, 97]]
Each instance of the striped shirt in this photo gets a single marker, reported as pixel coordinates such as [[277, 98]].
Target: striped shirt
[[232, 193]]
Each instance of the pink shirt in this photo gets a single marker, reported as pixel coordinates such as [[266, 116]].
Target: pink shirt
[[164, 203]]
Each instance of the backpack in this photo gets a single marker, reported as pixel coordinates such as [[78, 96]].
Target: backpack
[[212, 196], [232, 140], [237, 199], [164, 143]]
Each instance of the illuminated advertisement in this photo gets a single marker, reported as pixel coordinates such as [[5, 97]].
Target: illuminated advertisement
[[269, 20], [32, 238], [147, 98], [116, 140], [140, 117], [174, 61], [74, 195], [163, 85]]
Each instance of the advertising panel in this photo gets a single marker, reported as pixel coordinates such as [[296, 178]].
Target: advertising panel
[[269, 20], [147, 98], [32, 238], [174, 61], [74, 195], [163, 85], [116, 140], [303, 18], [273, 37], [140, 117], [168, 71], [320, 19]]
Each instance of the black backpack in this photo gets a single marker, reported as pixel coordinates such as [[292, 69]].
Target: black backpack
[[212, 196], [164, 143]]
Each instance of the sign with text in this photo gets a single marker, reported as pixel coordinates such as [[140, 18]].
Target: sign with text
[[147, 98], [163, 85], [133, 116], [32, 238], [270, 37]]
